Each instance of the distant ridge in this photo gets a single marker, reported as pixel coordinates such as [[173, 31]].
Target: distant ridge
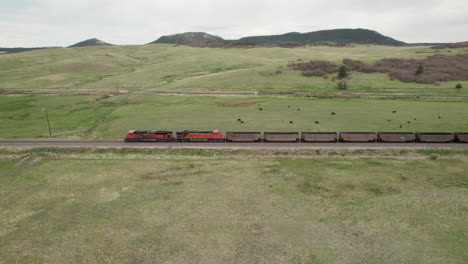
[[343, 36], [191, 39], [333, 37], [18, 50], [90, 42]]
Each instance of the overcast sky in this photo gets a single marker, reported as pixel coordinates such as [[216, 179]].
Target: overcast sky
[[29, 23]]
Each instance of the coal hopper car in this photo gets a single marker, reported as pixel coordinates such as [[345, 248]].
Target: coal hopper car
[[244, 136], [358, 136], [461, 137], [435, 137], [396, 137], [281, 136], [319, 137]]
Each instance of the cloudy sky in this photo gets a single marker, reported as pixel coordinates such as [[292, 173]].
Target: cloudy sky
[[29, 23]]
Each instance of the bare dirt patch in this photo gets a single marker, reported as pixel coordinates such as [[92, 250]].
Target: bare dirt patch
[[27, 161], [237, 105]]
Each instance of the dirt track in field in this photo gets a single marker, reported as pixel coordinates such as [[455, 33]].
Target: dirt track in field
[[263, 145], [248, 94]]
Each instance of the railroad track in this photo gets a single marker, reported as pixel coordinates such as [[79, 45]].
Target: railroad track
[[246, 145]]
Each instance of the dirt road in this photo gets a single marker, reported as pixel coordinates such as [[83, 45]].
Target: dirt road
[[248, 94]]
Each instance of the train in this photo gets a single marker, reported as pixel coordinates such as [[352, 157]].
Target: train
[[218, 136]]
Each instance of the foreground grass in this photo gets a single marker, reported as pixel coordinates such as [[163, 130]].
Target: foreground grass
[[110, 118], [16, 153], [169, 68], [74, 208]]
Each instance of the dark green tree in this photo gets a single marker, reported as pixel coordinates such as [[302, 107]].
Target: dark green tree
[[342, 72], [420, 69]]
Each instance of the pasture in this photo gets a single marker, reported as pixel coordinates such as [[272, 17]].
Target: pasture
[[181, 68], [114, 206], [103, 117]]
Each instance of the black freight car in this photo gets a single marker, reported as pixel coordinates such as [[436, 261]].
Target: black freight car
[[435, 137], [319, 137], [244, 136], [358, 136], [396, 136], [281, 136]]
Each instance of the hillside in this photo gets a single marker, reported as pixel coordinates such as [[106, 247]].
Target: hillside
[[18, 50], [90, 42], [191, 39], [163, 67], [345, 36]]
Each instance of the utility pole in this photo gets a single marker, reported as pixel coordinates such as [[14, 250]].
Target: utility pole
[[48, 123]]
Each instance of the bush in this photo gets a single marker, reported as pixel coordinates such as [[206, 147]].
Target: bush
[[458, 86], [452, 46], [342, 85], [315, 67], [434, 69], [354, 65], [342, 73], [420, 69]]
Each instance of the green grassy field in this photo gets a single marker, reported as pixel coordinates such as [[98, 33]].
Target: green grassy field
[[181, 68], [22, 116], [77, 205], [73, 206]]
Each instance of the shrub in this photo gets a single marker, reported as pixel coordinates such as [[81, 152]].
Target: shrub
[[452, 46], [354, 65], [458, 86], [420, 69], [342, 85], [342, 72], [315, 66], [434, 69]]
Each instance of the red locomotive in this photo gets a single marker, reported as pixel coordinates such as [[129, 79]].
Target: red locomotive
[[138, 135], [194, 135]]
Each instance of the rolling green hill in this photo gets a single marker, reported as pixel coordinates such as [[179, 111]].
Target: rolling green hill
[[344, 36], [163, 67], [337, 36], [191, 39], [90, 42]]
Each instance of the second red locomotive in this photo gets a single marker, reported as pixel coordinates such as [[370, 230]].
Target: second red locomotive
[[148, 136], [199, 136]]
